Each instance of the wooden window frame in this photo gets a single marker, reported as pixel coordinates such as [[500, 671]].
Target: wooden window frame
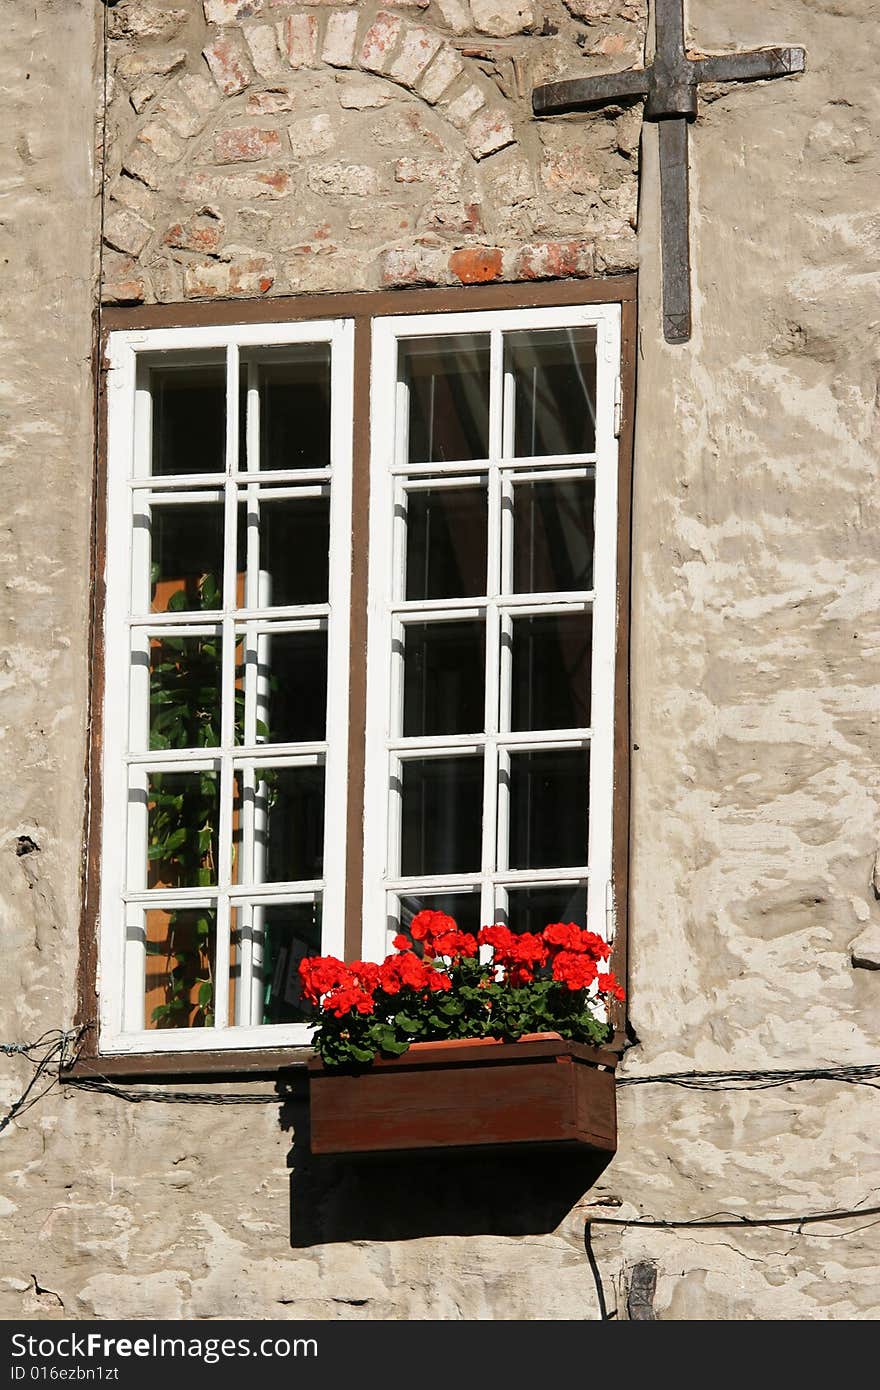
[[363, 309]]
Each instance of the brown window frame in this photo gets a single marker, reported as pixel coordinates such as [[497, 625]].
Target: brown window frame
[[362, 308]]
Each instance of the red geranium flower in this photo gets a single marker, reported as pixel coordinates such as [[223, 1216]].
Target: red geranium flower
[[575, 971]]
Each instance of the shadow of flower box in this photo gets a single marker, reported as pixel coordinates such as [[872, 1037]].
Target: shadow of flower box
[[468, 1094]]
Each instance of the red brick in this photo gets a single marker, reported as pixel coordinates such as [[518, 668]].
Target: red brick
[[476, 265], [244, 144], [201, 233], [379, 41], [229, 66], [244, 276], [122, 284], [550, 260], [414, 265], [298, 40]]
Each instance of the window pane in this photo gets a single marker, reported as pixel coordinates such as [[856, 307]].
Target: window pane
[[290, 669], [548, 808], [268, 943], [553, 536], [292, 551], [183, 817], [295, 409], [551, 672], [446, 531], [184, 691], [448, 381], [178, 984], [554, 390], [186, 556], [464, 907], [285, 807], [189, 419], [444, 678], [533, 909], [441, 815]]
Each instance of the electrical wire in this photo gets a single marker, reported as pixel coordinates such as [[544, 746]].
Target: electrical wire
[[55, 1045], [866, 1074]]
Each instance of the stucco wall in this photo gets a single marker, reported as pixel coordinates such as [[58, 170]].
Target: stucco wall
[[754, 670]]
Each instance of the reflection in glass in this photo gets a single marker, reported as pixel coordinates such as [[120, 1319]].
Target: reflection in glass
[[183, 817], [448, 384], [444, 682], [551, 672], [186, 556], [285, 806], [446, 543], [268, 943], [554, 390], [553, 536], [189, 419], [548, 808], [179, 968], [464, 907], [184, 691], [294, 399], [291, 687], [293, 546], [441, 815], [533, 909]]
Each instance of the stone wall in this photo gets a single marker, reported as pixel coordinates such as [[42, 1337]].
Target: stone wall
[[257, 147], [755, 638]]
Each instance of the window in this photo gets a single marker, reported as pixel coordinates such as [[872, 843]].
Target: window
[[237, 831]]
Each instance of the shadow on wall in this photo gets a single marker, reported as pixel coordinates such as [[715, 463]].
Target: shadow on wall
[[506, 1192]]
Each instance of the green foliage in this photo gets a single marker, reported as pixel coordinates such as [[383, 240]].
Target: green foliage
[[477, 1006], [183, 807]]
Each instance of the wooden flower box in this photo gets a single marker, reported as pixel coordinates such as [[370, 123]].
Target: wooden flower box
[[540, 1090]]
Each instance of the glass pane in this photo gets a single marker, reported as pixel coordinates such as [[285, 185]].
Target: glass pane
[[189, 419], [446, 531], [548, 808], [464, 907], [285, 808], [444, 678], [448, 381], [533, 909], [184, 691], [554, 390], [551, 672], [291, 550], [268, 943], [186, 556], [441, 815], [553, 536], [183, 817], [291, 687], [295, 409], [178, 984]]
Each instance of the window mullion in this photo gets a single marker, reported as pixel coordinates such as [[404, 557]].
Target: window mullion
[[227, 686], [494, 588]]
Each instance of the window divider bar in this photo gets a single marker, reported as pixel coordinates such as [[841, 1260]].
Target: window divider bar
[[161, 621], [525, 878], [227, 698]]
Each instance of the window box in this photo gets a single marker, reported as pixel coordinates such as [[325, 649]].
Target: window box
[[468, 1094]]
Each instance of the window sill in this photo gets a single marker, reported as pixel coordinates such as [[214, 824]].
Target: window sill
[[160, 1066]]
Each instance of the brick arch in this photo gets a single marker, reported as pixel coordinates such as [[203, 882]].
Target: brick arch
[[246, 63]]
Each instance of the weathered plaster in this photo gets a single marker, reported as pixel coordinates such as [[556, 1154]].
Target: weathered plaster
[[755, 714]]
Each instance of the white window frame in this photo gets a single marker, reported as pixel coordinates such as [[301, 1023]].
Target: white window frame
[[120, 952], [385, 606]]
